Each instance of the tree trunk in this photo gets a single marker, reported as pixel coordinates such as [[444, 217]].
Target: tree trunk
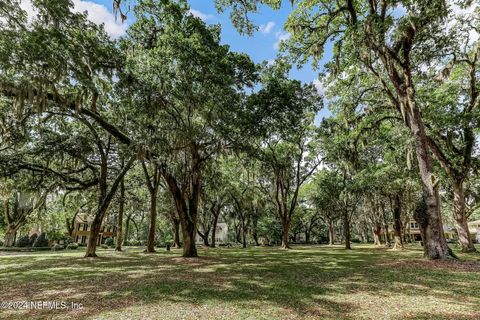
[[244, 236], [214, 229], [10, 237], [397, 223], [331, 235], [189, 231], [127, 229], [376, 235], [118, 244], [153, 221], [307, 236], [461, 218], [93, 237], [346, 231], [435, 245], [176, 232], [204, 237], [286, 228]]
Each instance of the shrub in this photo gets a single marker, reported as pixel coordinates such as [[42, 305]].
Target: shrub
[[23, 242], [104, 246], [57, 247], [32, 239], [41, 241], [109, 242], [1, 243], [72, 246], [68, 240]]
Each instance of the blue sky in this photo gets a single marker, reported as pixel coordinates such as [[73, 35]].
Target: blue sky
[[261, 46]]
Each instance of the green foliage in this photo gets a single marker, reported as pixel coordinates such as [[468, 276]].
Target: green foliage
[[23, 241], [58, 247], [110, 242], [72, 246], [41, 241]]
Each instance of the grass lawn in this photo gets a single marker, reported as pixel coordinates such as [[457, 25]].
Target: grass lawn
[[307, 282]]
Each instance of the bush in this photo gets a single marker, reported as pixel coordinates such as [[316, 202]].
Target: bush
[[58, 247], [32, 239], [23, 242], [104, 246], [41, 241], [1, 243], [109, 242], [72, 246], [68, 240]]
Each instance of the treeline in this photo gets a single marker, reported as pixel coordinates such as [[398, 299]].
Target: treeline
[[168, 120]]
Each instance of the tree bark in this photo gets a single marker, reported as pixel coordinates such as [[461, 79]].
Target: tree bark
[[397, 223], [93, 237], [331, 235], [376, 235], [121, 204], [153, 221], [127, 229], [10, 237], [214, 230], [285, 229], [189, 248], [204, 237], [461, 218], [176, 232], [346, 230], [105, 199]]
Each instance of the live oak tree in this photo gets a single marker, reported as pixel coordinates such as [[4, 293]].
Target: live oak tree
[[183, 81], [67, 77], [387, 39], [286, 145]]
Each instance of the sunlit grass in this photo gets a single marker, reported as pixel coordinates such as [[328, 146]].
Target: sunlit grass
[[307, 282]]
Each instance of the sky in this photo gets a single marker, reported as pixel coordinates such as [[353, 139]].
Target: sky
[[263, 45]]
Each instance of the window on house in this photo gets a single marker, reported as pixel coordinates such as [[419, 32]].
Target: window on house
[[84, 239], [413, 225]]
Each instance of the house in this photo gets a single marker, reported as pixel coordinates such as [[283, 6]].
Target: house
[[474, 230], [221, 234], [412, 230], [82, 228]]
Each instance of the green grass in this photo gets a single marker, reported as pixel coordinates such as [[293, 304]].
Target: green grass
[[307, 282]]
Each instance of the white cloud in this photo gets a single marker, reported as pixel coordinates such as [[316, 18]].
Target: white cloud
[[319, 86], [281, 37], [459, 15], [96, 13], [267, 28], [99, 14], [201, 15]]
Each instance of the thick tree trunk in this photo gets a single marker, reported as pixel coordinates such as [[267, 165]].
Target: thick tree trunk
[[176, 232], [153, 221], [10, 236], [286, 228], [189, 231], [346, 231], [119, 240], [429, 220], [93, 237], [307, 236], [461, 218], [397, 223], [244, 237], [214, 229], [331, 235], [376, 234]]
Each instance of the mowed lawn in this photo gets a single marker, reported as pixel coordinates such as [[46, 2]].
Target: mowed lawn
[[307, 282]]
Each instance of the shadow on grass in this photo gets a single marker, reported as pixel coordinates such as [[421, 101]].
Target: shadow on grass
[[305, 282]]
